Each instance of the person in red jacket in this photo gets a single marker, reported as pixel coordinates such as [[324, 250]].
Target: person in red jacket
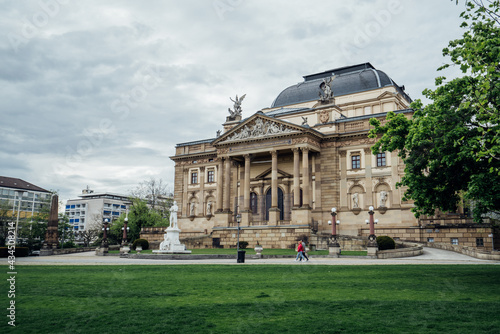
[[300, 252]]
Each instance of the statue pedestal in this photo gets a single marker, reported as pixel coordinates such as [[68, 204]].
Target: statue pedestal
[[171, 243], [372, 251], [334, 251], [125, 249]]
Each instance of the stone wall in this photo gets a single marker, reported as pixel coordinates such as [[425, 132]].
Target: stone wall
[[346, 242], [268, 237], [466, 235]]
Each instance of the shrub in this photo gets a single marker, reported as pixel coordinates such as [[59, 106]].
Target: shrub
[[384, 242], [243, 244], [69, 244], [143, 242]]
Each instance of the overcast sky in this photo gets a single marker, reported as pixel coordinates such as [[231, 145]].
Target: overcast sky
[[99, 92]]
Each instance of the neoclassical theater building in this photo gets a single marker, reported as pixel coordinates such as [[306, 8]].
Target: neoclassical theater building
[[281, 170]]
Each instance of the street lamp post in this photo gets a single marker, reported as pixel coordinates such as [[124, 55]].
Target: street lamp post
[[334, 228], [372, 239], [124, 249], [334, 247], [104, 243], [238, 220], [125, 229]]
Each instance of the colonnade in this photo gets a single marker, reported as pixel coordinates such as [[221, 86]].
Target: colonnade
[[224, 184]]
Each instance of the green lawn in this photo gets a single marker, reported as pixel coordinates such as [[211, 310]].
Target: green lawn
[[257, 299]]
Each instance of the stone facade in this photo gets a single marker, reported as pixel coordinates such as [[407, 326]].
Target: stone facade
[[281, 170]]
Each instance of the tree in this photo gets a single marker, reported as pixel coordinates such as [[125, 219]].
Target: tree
[[65, 230], [32, 230], [139, 216], [92, 230], [451, 146], [157, 195]]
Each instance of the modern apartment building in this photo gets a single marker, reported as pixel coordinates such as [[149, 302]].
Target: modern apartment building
[[94, 207], [23, 197]]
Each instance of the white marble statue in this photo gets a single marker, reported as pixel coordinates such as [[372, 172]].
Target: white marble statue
[[191, 209], [355, 200], [171, 243], [173, 215], [209, 208], [383, 198]]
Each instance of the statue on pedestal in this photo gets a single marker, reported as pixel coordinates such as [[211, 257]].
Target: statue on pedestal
[[237, 107], [173, 215], [171, 243]]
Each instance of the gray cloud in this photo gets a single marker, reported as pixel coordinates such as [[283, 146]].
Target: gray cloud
[[99, 93]]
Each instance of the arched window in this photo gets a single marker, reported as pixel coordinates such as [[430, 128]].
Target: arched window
[[253, 202]]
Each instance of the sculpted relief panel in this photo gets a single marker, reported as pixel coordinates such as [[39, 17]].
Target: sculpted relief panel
[[259, 129]]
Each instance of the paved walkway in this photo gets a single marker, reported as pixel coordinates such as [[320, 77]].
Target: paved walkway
[[430, 256]]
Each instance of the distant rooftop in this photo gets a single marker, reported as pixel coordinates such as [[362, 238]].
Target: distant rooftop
[[15, 183], [104, 195]]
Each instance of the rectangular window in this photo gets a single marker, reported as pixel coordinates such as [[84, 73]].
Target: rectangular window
[[381, 160], [430, 239], [194, 177], [479, 242], [356, 161], [454, 241], [211, 176]]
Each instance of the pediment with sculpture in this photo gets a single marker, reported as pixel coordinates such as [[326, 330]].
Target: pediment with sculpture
[[258, 128]]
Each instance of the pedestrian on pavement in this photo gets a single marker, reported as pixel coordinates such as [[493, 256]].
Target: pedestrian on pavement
[[300, 252], [304, 251]]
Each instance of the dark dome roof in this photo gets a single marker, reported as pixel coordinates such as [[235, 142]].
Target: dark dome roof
[[348, 80]]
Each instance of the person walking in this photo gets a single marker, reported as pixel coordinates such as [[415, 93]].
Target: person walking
[[304, 255], [300, 252]]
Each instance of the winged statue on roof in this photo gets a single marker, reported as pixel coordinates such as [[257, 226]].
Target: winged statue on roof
[[326, 93], [237, 106]]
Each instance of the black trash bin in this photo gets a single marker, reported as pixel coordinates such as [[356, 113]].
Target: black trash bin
[[241, 256]]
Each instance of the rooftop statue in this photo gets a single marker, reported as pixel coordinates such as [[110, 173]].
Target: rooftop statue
[[326, 93], [237, 106]]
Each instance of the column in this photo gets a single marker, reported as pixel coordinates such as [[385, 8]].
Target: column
[[220, 169], [274, 212], [201, 207], [274, 179], [246, 188], [227, 185], [296, 178], [368, 177], [246, 214], [305, 176], [343, 181], [185, 194]]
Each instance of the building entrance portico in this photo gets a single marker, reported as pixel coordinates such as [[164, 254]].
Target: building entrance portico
[[271, 167]]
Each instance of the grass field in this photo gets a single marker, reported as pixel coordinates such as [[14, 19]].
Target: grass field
[[257, 299]]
